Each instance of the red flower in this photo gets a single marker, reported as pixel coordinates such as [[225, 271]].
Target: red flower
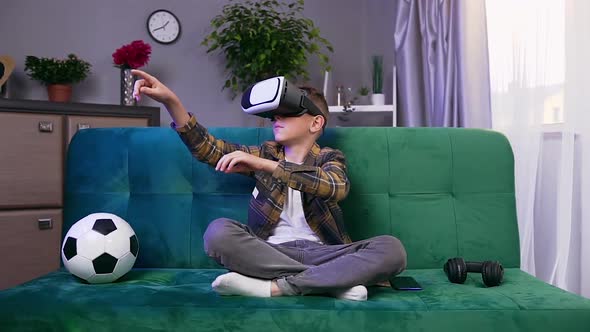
[[134, 55]]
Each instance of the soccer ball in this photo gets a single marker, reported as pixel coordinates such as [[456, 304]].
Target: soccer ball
[[100, 248]]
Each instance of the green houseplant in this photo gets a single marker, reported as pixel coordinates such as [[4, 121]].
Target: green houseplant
[[378, 98], [261, 39], [57, 74], [363, 94]]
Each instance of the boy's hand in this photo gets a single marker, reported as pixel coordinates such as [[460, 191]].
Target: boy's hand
[[151, 87], [240, 161], [154, 89]]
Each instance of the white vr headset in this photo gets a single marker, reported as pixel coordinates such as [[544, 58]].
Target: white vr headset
[[277, 96]]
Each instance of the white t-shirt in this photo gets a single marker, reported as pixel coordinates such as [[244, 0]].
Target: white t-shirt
[[292, 224]]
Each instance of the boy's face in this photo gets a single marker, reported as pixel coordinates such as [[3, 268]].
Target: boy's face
[[292, 130]]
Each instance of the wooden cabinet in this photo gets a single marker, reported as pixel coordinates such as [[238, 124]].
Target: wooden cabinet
[[31, 163], [34, 136], [29, 245]]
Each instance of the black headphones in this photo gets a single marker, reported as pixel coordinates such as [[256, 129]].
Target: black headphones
[[456, 270]]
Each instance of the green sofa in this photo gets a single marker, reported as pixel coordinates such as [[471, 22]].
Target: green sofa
[[443, 192]]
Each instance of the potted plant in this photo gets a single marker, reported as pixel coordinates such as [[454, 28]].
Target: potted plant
[[131, 56], [378, 98], [363, 95], [57, 74], [262, 39]]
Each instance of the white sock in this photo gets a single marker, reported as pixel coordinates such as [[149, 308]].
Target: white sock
[[356, 293], [233, 283]]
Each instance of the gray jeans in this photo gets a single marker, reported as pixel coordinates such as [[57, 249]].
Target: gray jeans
[[304, 267]]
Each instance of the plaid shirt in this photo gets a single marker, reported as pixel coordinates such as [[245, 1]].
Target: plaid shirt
[[321, 179]]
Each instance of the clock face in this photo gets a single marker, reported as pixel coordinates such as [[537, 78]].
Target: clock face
[[163, 26]]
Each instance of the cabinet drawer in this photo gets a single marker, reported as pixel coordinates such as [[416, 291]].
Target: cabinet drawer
[[26, 251], [31, 160], [76, 123]]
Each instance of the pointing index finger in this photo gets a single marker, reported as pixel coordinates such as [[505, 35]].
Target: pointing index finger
[[149, 78]]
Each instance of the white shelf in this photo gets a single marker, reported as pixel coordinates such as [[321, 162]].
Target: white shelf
[[363, 108], [368, 108]]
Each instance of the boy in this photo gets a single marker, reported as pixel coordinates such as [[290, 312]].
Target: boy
[[295, 242]]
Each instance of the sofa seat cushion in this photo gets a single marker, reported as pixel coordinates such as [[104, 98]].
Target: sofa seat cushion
[[182, 299]]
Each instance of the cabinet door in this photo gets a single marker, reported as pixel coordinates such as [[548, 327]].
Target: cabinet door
[[29, 244], [76, 123], [31, 160]]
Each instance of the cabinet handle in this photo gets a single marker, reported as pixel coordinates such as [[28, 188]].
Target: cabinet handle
[[46, 126], [83, 126], [45, 223]]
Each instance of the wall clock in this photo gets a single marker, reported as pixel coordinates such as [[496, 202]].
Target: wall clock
[[163, 26]]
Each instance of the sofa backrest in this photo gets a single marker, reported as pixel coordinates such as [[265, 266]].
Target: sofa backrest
[[443, 192]]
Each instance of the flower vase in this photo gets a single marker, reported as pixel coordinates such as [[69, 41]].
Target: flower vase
[[127, 83]]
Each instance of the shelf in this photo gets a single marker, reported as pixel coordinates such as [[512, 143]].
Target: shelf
[[363, 108]]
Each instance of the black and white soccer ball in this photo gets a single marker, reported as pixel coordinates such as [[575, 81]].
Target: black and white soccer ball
[[100, 248]]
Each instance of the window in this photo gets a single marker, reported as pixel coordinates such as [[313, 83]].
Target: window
[[526, 45]]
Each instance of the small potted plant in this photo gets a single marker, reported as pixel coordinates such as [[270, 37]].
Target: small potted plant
[[363, 95], [378, 98], [57, 74], [127, 57]]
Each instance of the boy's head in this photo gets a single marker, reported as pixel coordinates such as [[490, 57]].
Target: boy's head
[[319, 100], [293, 129]]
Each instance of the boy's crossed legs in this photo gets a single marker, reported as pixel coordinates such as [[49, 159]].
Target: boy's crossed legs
[[299, 267]]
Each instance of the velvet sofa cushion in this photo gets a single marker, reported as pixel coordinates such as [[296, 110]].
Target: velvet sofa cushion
[[182, 300]]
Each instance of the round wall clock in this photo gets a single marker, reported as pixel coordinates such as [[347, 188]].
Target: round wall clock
[[163, 26]]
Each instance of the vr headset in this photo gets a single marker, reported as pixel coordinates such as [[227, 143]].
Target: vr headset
[[277, 96]]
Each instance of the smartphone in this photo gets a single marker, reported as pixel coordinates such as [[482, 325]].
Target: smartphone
[[405, 283]]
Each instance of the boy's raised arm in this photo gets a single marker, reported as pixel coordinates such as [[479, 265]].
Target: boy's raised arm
[[204, 146]]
